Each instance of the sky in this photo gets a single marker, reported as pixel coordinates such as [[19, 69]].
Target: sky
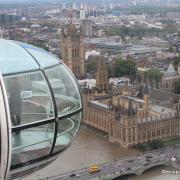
[[7, 1]]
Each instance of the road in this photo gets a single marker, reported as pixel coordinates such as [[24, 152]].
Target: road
[[133, 164]]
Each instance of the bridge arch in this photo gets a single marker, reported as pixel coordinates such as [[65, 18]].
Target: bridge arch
[[144, 169], [138, 171], [123, 175]]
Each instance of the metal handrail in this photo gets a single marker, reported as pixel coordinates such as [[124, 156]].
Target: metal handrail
[[73, 100], [49, 139]]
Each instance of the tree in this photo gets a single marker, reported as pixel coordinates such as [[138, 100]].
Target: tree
[[111, 72], [139, 31], [38, 44], [153, 76], [178, 33], [177, 86], [141, 147], [156, 144], [91, 66], [171, 49], [125, 68], [177, 61]]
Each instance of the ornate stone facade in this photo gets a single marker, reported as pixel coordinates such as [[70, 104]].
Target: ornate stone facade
[[72, 50], [128, 120], [102, 76], [169, 78]]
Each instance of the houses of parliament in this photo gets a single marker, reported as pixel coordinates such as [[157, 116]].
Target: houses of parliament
[[127, 114]]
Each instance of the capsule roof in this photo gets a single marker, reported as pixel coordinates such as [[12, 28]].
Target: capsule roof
[[16, 57]]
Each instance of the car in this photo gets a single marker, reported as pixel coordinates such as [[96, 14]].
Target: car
[[74, 175], [149, 156], [148, 160], [146, 164]]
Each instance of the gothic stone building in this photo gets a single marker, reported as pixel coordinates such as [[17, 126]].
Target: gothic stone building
[[130, 115], [169, 78], [72, 50]]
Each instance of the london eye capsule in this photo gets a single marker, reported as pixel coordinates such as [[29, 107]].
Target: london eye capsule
[[40, 108]]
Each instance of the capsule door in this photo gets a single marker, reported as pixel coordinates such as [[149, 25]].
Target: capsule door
[[5, 131]]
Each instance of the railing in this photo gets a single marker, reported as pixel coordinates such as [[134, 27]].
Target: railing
[[48, 139], [158, 161]]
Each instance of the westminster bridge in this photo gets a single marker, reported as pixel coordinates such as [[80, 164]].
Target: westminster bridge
[[130, 165]]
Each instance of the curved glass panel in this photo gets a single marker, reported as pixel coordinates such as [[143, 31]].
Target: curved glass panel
[[30, 103], [32, 143], [65, 89], [44, 58], [16, 61], [29, 98], [67, 129], [5, 141]]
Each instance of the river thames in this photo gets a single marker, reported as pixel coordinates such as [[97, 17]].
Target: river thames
[[88, 149]]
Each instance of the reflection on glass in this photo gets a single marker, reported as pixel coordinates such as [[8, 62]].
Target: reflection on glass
[[67, 129], [32, 143], [44, 58], [14, 59], [33, 78], [29, 98], [65, 89]]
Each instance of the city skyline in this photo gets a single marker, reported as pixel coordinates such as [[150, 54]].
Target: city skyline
[[101, 1], [111, 66]]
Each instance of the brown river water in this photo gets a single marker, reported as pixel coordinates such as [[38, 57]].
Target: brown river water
[[88, 149]]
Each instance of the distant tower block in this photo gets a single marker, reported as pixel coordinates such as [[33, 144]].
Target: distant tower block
[[82, 12], [72, 50], [74, 6], [64, 6], [86, 27], [111, 6], [1, 34], [102, 82], [134, 2]]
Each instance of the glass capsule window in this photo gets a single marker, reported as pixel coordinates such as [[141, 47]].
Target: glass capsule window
[[65, 90], [14, 58], [66, 130], [42, 103], [31, 144], [29, 98]]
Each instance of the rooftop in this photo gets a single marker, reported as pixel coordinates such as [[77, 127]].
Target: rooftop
[[161, 110]]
